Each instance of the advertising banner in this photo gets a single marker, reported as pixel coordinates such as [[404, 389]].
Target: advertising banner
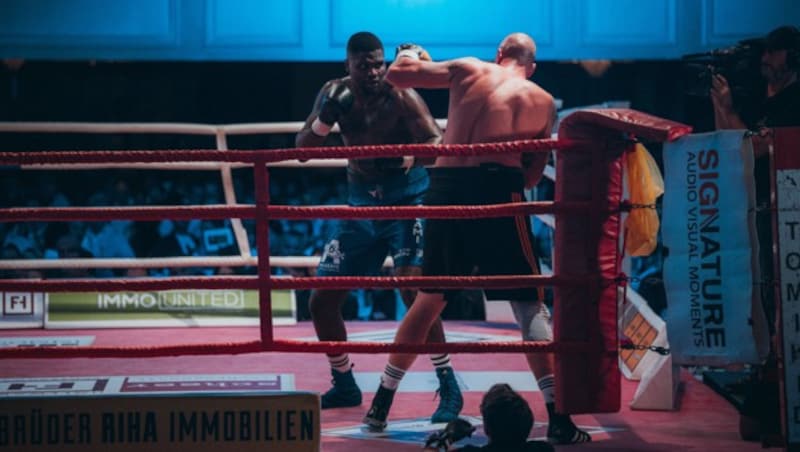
[[22, 310], [709, 235], [787, 186], [168, 308], [188, 421]]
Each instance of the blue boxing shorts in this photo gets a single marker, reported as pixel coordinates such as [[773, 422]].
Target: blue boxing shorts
[[359, 247]]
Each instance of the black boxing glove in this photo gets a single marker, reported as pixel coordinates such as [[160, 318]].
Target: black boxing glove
[[412, 51], [335, 102]]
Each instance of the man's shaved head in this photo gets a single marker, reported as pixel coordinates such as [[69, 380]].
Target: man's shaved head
[[518, 49], [518, 46]]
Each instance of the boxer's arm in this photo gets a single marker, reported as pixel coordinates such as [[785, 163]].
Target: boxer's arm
[[533, 163], [306, 137], [421, 124], [408, 72], [419, 119]]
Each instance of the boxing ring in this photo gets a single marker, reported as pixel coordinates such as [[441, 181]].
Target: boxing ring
[[586, 277]]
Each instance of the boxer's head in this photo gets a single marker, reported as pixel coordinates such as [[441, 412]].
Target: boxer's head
[[520, 48], [365, 62]]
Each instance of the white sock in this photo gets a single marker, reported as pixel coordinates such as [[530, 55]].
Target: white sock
[[547, 386], [440, 361], [340, 363], [391, 377]]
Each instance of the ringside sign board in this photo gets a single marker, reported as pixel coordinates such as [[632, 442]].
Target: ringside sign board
[[167, 308], [189, 422], [709, 232], [176, 412], [22, 310], [787, 185]]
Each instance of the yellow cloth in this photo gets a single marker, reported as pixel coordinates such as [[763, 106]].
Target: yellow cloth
[[645, 184]]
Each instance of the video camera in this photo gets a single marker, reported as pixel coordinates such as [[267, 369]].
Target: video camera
[[739, 64], [455, 430]]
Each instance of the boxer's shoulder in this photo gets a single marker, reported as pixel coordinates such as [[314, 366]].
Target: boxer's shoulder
[[470, 63], [346, 81], [404, 97], [403, 94], [461, 68]]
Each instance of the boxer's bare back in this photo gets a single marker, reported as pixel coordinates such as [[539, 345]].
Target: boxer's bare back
[[489, 102]]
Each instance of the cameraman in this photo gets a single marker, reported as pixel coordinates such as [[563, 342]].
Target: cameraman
[[780, 61], [507, 421], [779, 66]]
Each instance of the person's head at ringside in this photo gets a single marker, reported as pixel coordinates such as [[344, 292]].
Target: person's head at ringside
[[779, 61], [365, 62], [507, 417], [779, 65], [519, 49]]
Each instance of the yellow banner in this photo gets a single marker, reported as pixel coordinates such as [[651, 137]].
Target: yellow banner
[[186, 422]]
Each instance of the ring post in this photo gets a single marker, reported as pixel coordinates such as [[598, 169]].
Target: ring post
[[587, 244], [261, 183]]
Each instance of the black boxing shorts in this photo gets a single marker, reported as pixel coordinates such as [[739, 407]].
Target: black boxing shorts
[[484, 246]]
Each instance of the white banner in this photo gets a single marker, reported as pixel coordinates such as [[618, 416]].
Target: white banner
[[21, 310], [787, 185], [788, 181], [708, 229]]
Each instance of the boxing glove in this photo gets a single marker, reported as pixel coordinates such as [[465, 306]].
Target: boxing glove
[[335, 102], [413, 51]]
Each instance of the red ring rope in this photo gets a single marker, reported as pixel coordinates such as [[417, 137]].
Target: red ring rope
[[219, 212], [287, 345], [263, 212], [309, 282], [277, 155]]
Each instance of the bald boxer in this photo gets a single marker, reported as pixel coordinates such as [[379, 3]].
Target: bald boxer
[[370, 111], [489, 102]]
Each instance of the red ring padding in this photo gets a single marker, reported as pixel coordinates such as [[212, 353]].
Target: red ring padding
[[590, 382]]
